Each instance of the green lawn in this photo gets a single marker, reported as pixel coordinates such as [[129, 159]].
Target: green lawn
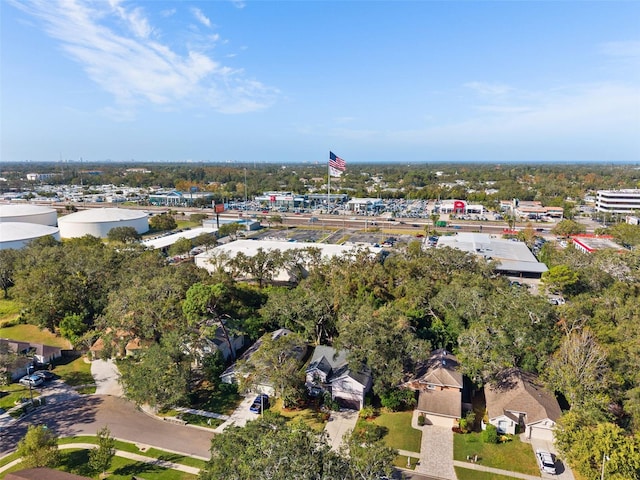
[[310, 416], [31, 333], [76, 461], [400, 433], [401, 462], [74, 371], [10, 393], [222, 400], [132, 448], [9, 309], [513, 455], [466, 474]]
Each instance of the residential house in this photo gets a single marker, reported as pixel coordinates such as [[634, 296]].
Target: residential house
[[39, 352], [329, 371], [123, 344], [440, 385], [517, 401], [236, 371], [219, 342]]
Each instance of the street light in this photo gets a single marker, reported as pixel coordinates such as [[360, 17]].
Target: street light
[[605, 458]]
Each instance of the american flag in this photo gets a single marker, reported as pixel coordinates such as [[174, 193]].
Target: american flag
[[336, 163]]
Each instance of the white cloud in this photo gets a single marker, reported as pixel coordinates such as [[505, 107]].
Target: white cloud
[[116, 46], [169, 12], [239, 3], [585, 120], [201, 17]]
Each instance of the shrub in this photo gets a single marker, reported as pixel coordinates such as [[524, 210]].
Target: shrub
[[490, 434], [368, 412], [421, 420], [397, 399]]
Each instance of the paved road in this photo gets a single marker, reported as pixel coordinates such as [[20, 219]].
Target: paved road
[[85, 415]]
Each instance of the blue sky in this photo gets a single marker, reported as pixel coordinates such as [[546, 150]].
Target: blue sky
[[287, 81]]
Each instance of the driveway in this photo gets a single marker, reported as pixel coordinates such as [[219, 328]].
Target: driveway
[[106, 375], [563, 472], [436, 450], [240, 416], [339, 424]]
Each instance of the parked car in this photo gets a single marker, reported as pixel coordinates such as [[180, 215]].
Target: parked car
[[46, 375], [546, 462], [260, 403], [31, 380]]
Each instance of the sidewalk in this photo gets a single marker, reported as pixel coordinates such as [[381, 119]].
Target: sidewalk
[[123, 454], [202, 413]]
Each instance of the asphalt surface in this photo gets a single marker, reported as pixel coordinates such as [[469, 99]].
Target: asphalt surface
[[85, 415]]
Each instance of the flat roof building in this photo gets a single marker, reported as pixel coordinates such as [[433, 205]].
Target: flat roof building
[[618, 201], [512, 257], [251, 247], [590, 243]]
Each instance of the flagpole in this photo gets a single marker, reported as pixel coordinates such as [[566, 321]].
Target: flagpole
[[328, 183]]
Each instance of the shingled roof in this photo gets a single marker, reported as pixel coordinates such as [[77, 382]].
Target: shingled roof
[[520, 392], [441, 370]]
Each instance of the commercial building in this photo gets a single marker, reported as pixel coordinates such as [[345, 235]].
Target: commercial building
[[512, 257], [250, 248], [618, 201], [173, 198], [283, 201], [459, 207], [587, 243]]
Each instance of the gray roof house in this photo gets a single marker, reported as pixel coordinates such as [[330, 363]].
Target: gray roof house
[[234, 372], [517, 398], [329, 370], [219, 342]]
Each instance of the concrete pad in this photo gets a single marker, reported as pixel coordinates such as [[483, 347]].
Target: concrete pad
[[106, 375], [563, 472], [339, 424]]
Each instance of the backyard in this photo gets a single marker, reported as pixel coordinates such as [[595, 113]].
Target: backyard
[[33, 334]]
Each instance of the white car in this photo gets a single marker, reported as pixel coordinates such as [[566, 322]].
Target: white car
[[546, 462], [31, 381]]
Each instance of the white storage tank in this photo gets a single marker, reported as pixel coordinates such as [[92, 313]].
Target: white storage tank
[[98, 221], [28, 214], [18, 234]]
